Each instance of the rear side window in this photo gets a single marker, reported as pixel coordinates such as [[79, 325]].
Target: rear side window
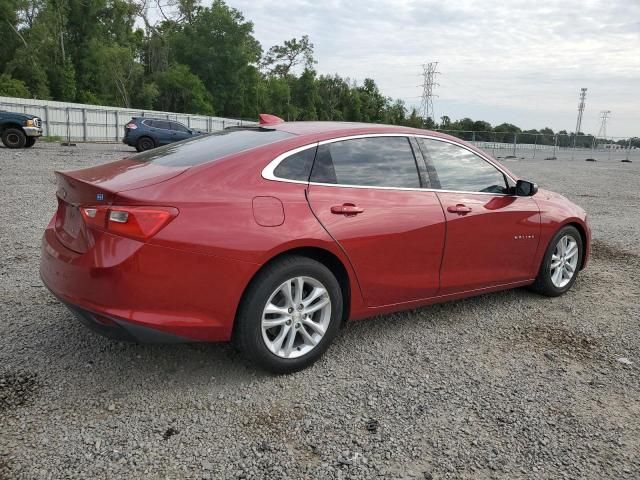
[[371, 162], [148, 123], [296, 166], [163, 124], [204, 148]]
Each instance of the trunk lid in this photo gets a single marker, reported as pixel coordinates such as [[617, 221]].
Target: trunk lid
[[99, 186]]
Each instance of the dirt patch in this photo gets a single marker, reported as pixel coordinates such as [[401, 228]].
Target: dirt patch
[[170, 432], [555, 337], [275, 416], [5, 470], [16, 389], [604, 251]]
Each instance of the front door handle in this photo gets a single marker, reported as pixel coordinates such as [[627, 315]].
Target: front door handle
[[459, 208], [347, 209]]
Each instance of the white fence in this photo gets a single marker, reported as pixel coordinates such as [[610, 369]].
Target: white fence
[[93, 123]]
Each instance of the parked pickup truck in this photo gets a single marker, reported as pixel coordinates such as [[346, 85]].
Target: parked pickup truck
[[19, 130]]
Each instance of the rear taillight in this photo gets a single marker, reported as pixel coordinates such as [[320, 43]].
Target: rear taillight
[[131, 126], [140, 223]]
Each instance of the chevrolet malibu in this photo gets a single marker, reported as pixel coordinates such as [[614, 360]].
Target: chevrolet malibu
[[275, 235]]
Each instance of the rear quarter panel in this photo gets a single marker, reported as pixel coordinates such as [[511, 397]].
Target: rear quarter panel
[[217, 219]]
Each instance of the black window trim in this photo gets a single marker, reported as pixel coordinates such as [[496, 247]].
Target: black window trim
[[267, 172]]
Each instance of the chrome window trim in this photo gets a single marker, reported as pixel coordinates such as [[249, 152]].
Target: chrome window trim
[[268, 171]]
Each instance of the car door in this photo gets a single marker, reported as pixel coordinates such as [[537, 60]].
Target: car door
[[179, 132], [367, 194], [492, 235], [162, 132]]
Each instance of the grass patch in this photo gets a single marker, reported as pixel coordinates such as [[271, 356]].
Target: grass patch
[[51, 139]]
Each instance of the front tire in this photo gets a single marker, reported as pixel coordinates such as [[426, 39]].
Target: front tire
[[14, 138], [31, 141], [290, 314], [561, 263]]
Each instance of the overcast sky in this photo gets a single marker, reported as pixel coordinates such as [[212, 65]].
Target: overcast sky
[[513, 61]]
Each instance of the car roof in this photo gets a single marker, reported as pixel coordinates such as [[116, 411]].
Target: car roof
[[329, 129], [314, 131]]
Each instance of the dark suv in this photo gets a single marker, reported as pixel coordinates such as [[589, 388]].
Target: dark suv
[[146, 133]]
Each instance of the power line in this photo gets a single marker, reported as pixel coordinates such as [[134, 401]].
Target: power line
[[429, 74]]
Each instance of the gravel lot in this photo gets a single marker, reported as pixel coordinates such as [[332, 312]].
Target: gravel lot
[[507, 385]]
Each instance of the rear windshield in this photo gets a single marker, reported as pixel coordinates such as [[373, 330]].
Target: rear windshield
[[207, 147]]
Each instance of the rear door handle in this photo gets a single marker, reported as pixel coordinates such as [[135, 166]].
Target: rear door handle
[[347, 209], [460, 208]]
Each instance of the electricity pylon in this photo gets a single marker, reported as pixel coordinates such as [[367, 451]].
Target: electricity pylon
[[429, 74]]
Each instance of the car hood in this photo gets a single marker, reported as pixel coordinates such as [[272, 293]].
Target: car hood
[[548, 200], [549, 195], [16, 115]]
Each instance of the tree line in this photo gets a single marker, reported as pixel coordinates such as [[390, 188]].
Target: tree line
[[183, 57]]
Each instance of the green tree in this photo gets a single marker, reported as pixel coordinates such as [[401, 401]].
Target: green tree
[[10, 87], [281, 59], [179, 90], [218, 46]]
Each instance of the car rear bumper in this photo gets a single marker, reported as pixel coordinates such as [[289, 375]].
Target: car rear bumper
[[32, 131], [118, 329], [131, 290]]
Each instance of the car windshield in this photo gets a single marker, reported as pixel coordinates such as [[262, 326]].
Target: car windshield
[[205, 148]]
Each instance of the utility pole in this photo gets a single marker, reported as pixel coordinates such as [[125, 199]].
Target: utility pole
[[604, 116], [602, 133], [429, 74], [583, 94]]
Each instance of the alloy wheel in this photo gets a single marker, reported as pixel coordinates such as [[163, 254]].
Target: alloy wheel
[[296, 317], [564, 261]]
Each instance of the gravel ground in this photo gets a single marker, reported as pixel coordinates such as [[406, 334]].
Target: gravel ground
[[507, 385]]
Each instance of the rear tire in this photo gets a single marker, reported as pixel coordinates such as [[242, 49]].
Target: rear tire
[[560, 264], [144, 144], [290, 314], [14, 138], [31, 141]]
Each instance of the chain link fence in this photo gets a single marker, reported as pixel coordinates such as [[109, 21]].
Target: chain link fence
[[506, 145], [91, 123]]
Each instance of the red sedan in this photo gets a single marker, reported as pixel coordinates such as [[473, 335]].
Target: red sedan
[[275, 235]]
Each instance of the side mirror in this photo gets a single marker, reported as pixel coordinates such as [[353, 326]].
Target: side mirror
[[526, 189]]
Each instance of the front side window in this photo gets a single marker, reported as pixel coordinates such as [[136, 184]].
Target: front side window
[[371, 162], [460, 169], [178, 127]]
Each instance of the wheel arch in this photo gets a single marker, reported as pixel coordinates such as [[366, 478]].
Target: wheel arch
[[8, 125], [325, 257], [583, 235]]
